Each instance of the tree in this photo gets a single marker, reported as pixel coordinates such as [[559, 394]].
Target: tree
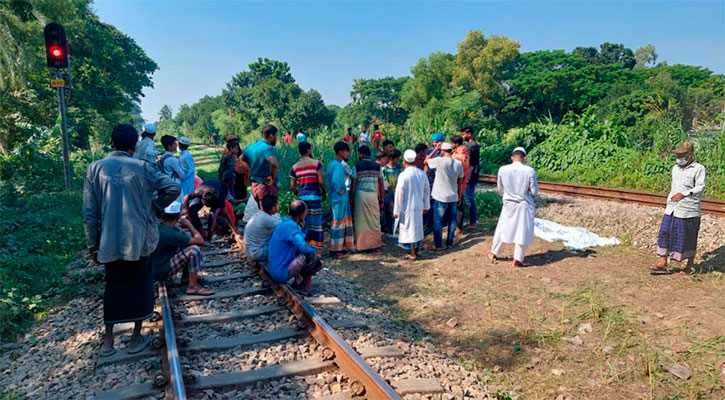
[[379, 99], [616, 53], [589, 54], [645, 55], [481, 63], [165, 113], [431, 79]]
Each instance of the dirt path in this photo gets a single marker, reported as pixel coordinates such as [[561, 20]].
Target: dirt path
[[526, 329]]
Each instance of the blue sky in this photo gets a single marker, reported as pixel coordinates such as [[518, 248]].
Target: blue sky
[[200, 45]]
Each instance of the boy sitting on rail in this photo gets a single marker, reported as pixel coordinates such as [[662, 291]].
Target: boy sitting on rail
[[289, 255], [259, 229], [178, 252]]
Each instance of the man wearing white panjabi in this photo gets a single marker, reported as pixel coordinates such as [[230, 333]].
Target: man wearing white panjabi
[[411, 202], [517, 182]]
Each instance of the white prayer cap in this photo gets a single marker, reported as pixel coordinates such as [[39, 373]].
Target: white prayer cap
[[173, 208], [409, 156], [446, 147], [184, 140], [521, 149], [150, 128]]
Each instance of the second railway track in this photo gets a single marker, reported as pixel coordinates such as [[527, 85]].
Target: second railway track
[[713, 207], [212, 344]]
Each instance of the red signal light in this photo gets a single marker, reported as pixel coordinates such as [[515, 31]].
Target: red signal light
[[56, 51]]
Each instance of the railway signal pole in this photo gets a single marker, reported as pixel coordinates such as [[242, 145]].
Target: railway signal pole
[[56, 54]]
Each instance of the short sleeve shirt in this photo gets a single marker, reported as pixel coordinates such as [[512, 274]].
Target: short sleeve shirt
[[171, 238], [257, 154], [445, 185], [305, 171]]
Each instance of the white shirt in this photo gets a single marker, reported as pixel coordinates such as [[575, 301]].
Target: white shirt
[[519, 185], [690, 181], [445, 184], [257, 234], [411, 199], [146, 150]]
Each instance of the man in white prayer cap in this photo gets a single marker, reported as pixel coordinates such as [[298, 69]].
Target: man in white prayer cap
[[411, 202], [518, 185], [146, 148]]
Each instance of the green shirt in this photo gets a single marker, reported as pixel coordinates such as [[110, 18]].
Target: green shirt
[[171, 238]]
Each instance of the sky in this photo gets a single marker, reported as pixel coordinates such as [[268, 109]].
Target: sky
[[200, 45]]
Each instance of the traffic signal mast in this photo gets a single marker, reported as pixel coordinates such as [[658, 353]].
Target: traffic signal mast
[[56, 54]]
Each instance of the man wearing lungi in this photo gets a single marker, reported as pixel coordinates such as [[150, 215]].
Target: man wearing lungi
[[262, 159], [341, 229], [681, 223], [307, 181], [120, 225]]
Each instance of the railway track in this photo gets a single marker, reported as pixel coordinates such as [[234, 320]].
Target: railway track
[[713, 207], [208, 345]]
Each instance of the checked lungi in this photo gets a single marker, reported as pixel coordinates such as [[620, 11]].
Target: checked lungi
[[314, 235], [678, 237], [341, 229], [188, 259]]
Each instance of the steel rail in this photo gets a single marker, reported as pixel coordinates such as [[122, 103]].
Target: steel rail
[[709, 206], [363, 379], [176, 378]]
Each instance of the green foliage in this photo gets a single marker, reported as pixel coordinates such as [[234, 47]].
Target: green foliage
[[488, 204], [39, 236]]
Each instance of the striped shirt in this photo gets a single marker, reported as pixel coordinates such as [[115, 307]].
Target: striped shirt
[[305, 172]]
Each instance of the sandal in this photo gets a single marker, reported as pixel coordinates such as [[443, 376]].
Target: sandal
[[657, 268], [106, 352], [199, 291], [144, 342]]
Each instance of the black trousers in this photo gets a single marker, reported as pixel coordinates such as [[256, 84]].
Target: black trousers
[[129, 294]]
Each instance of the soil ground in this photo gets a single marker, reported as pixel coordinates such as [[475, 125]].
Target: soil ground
[[520, 326]]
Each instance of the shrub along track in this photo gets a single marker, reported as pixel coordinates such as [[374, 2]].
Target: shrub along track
[[714, 207], [246, 311]]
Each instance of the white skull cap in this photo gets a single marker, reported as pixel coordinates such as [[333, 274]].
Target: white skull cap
[[409, 156]]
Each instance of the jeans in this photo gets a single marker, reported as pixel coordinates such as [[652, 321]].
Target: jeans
[[444, 213], [469, 200], [386, 217]]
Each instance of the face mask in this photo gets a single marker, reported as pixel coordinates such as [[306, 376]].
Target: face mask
[[681, 161]]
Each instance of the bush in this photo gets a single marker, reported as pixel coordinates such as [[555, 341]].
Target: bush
[[488, 204]]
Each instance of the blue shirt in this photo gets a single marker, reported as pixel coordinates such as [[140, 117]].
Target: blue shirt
[[286, 243], [256, 155], [186, 161], [335, 178]]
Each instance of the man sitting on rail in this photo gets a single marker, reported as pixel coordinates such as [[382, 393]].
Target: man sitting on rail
[[118, 213], [178, 252], [518, 184], [681, 223], [259, 229], [289, 255]]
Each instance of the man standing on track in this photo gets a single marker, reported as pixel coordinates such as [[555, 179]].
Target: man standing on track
[[681, 223], [341, 229], [474, 154], [445, 192], [518, 184], [186, 162], [146, 148], [262, 159], [368, 192], [412, 191], [120, 225], [307, 181]]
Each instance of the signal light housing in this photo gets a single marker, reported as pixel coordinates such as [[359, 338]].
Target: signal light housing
[[56, 49]]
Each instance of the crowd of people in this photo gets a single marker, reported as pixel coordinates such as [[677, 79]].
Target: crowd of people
[[143, 209]]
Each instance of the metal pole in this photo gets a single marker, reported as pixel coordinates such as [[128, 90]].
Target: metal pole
[[64, 133]]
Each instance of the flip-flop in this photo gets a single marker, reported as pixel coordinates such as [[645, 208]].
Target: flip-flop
[[657, 268], [145, 341], [106, 352], [198, 291]]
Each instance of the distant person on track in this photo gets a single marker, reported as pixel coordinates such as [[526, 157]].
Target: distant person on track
[[146, 148], [412, 191], [121, 231], [368, 194], [301, 137], [307, 181], [179, 253], [215, 139], [677, 239], [232, 162], [364, 138], [460, 153], [287, 139], [259, 230], [474, 152], [262, 159], [290, 257], [377, 138], [341, 229], [518, 184], [445, 192], [188, 168], [350, 138]]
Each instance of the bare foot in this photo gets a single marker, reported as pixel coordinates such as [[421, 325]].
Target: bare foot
[[492, 257], [517, 263]]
